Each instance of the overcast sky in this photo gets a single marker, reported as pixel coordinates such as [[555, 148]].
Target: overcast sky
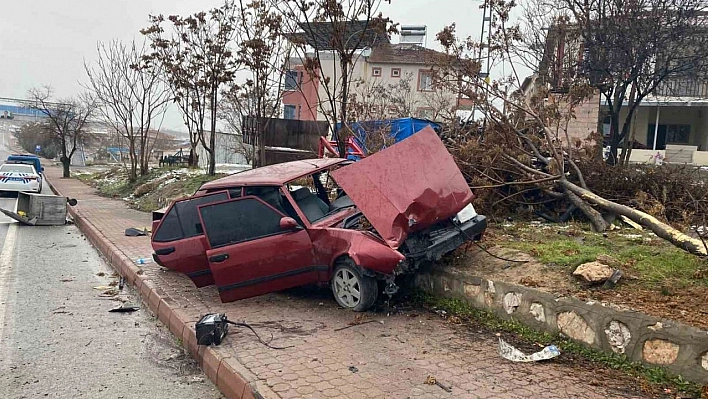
[[46, 41]]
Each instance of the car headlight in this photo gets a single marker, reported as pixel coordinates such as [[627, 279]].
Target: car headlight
[[465, 214]]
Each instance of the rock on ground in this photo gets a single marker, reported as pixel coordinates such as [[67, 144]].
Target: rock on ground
[[594, 272]]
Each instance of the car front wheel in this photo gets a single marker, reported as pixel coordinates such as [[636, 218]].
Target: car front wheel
[[351, 289]]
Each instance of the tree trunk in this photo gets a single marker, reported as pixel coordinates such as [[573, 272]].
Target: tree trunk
[[663, 230], [66, 164], [343, 132]]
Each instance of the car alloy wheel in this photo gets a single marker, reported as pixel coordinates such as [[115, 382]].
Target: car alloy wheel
[[351, 289], [347, 288]]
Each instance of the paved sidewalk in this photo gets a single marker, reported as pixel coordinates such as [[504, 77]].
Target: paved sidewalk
[[390, 358]]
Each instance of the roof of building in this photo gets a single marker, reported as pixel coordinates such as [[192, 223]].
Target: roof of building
[[359, 34], [404, 53], [273, 175]]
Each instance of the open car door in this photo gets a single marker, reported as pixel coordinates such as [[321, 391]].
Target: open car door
[[255, 249], [179, 242]]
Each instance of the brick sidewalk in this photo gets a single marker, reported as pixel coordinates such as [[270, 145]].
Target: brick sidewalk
[[390, 358]]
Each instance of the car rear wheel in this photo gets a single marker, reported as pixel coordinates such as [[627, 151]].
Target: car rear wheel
[[351, 289]]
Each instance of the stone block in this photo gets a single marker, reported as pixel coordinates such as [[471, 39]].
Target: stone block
[[512, 300], [618, 336], [659, 351], [538, 312], [574, 326]]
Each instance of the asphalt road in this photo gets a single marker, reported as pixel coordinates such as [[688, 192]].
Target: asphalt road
[[57, 338]]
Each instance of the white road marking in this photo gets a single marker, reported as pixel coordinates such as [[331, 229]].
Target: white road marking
[[6, 258]]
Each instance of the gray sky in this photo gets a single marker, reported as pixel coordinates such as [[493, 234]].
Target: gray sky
[[46, 41]]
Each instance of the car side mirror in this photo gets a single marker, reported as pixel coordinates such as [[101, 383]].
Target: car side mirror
[[288, 223], [42, 168]]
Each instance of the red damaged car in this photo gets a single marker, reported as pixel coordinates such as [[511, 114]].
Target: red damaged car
[[322, 221]]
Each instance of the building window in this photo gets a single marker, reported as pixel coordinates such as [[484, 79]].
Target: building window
[[395, 72], [376, 72], [425, 81], [668, 134], [425, 113], [292, 80], [290, 112]]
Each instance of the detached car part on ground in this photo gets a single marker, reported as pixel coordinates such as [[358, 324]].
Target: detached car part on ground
[[322, 221]]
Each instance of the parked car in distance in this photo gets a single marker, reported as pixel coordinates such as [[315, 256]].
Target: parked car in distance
[[322, 221], [19, 177], [30, 160]]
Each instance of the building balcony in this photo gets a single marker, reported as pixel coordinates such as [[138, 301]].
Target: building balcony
[[683, 87]]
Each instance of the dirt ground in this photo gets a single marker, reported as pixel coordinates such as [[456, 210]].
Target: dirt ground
[[682, 300]]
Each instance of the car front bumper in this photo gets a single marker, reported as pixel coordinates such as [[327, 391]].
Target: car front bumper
[[446, 240]]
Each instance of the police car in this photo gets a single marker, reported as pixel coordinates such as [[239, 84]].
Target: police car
[[16, 176]]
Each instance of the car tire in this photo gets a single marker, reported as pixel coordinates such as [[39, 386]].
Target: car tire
[[348, 282]]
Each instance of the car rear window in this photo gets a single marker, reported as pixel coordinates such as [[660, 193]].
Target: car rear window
[[182, 221], [17, 168], [238, 221]]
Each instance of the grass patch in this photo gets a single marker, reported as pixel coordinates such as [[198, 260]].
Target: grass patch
[[658, 377], [650, 258], [115, 184]]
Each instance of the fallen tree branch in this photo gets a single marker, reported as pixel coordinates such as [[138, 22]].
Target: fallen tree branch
[[663, 230], [598, 222]]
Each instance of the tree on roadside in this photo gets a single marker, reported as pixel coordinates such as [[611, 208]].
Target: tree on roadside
[[263, 51], [525, 152], [34, 133], [198, 60], [335, 31], [66, 121], [626, 50], [131, 96]]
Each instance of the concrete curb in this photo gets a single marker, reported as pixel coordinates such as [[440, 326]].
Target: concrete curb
[[230, 377]]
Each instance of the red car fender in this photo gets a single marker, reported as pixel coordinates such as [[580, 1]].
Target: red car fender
[[366, 250]]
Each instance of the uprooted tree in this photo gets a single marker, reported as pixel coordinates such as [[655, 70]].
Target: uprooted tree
[[65, 121], [525, 151]]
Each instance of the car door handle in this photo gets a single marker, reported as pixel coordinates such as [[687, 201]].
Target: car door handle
[[164, 251], [218, 258]]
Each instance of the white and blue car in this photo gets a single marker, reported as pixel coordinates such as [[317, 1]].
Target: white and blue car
[[19, 177]]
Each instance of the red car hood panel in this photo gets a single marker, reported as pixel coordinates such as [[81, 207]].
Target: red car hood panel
[[406, 187]]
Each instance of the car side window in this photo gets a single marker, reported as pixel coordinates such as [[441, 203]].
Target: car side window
[[170, 229], [182, 221], [189, 216], [240, 220]]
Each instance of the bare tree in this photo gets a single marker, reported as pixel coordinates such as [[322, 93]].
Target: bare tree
[[525, 146], [131, 97], [198, 60], [340, 29], [627, 50], [264, 52], [66, 120]]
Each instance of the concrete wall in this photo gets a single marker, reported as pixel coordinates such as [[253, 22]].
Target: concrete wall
[[421, 101], [228, 151], [680, 348], [586, 119]]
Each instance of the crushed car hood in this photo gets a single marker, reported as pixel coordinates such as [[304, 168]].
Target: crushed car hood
[[406, 187]]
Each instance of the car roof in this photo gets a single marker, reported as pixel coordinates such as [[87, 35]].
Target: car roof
[[23, 156], [273, 175]]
